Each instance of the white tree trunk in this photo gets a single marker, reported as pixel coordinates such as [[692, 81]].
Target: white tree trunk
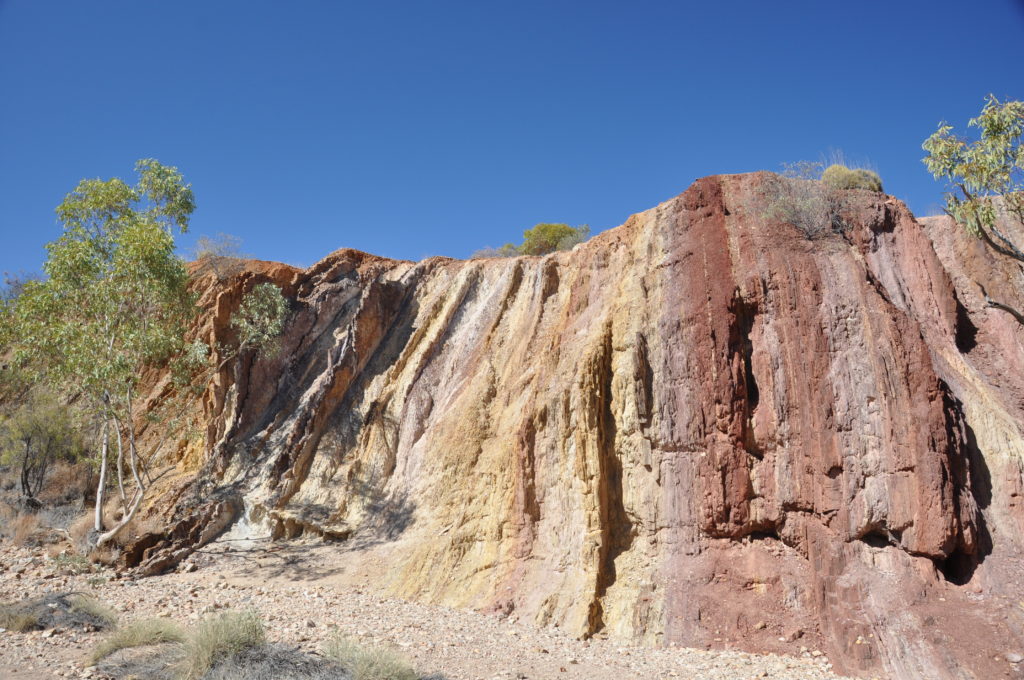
[[140, 486], [103, 477], [120, 463]]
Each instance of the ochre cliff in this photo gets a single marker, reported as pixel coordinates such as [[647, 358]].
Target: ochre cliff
[[698, 428]]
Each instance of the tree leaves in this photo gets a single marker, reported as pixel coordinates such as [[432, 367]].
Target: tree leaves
[[986, 176], [116, 294]]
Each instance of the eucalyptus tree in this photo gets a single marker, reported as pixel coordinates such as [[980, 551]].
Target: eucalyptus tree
[[986, 179], [115, 300]]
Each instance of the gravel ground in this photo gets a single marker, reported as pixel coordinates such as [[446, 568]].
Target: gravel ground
[[463, 645]]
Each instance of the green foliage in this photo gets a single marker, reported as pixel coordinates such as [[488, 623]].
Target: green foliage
[[11, 289], [37, 434], [261, 316], [368, 663], [838, 176], [74, 564], [541, 239], [115, 299], [986, 176], [115, 296], [14, 284], [548, 237]]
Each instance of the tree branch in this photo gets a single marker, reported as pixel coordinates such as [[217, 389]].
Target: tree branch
[[989, 302]]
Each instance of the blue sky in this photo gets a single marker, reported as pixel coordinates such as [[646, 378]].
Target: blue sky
[[411, 129]]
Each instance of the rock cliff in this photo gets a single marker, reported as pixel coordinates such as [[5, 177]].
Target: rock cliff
[[699, 428]]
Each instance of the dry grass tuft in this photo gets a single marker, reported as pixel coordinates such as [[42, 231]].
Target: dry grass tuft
[[138, 634], [7, 512], [107, 555], [232, 646], [223, 636], [90, 606], [276, 662], [24, 528], [17, 618], [57, 610], [368, 663], [79, 532]]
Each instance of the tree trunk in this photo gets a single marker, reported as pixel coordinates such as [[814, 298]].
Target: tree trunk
[[98, 524], [120, 463], [26, 464], [105, 538], [140, 486]]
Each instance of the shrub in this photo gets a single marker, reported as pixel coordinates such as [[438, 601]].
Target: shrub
[[838, 176], [548, 237], [368, 663], [276, 662], [34, 437], [220, 637], [812, 199], [69, 482], [543, 238], [138, 634], [17, 618], [232, 647], [507, 250], [92, 608], [797, 197], [72, 564], [59, 610]]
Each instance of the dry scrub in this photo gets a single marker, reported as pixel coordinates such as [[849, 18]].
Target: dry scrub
[[23, 529], [138, 634], [220, 637], [232, 646], [368, 663], [61, 610]]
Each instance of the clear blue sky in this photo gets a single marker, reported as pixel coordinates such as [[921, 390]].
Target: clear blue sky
[[411, 129]]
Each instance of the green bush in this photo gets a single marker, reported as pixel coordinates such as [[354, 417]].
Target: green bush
[[35, 436], [547, 237], [838, 176], [541, 239]]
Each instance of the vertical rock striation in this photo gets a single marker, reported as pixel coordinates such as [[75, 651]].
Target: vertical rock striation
[[700, 427]]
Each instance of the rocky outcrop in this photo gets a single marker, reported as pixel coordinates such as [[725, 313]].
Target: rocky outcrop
[[699, 428]]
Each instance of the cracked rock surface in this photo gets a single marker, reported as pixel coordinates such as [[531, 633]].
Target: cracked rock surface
[[691, 425]]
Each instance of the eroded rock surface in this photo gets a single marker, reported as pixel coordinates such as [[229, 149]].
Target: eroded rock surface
[[698, 428]]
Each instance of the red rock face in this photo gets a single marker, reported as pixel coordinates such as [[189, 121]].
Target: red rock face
[[700, 428]]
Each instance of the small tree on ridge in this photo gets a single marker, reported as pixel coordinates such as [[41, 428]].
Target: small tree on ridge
[[986, 178]]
